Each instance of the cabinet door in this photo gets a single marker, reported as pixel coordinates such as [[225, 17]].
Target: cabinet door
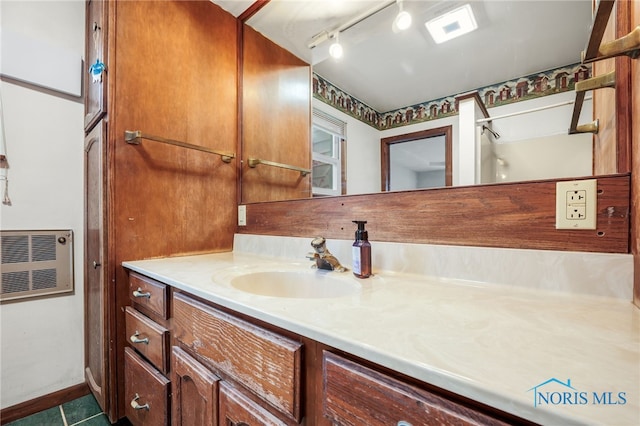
[[96, 43], [236, 409], [195, 392], [95, 292], [356, 395]]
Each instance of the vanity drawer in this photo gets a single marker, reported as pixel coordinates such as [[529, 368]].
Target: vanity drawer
[[149, 294], [356, 395], [146, 392], [148, 338], [264, 362]]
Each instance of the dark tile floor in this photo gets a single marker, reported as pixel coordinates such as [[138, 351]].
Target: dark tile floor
[[82, 411]]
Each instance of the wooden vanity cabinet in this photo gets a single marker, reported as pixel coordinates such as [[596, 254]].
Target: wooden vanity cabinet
[[228, 369], [146, 359], [357, 395]]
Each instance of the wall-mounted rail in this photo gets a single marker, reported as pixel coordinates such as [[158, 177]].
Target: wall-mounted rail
[[253, 162], [133, 137], [628, 45], [600, 20]]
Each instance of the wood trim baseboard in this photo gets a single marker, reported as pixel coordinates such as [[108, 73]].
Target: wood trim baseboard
[[41, 403]]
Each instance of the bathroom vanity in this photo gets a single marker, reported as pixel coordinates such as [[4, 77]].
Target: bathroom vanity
[[397, 349]]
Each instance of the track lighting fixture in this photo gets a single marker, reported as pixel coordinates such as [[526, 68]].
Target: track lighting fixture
[[336, 50], [402, 20]]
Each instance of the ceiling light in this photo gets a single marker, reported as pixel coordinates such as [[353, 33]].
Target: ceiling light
[[402, 21], [336, 50], [452, 24]]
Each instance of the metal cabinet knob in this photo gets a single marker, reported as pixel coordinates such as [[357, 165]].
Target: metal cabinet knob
[[96, 264]]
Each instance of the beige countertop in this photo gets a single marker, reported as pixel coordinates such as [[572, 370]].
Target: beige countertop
[[504, 346]]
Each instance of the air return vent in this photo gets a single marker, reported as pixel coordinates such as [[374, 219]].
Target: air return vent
[[36, 263]]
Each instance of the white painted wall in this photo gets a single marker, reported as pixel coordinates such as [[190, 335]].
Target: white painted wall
[[41, 341]]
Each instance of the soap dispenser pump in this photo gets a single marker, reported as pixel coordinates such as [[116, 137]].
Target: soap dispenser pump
[[361, 251]]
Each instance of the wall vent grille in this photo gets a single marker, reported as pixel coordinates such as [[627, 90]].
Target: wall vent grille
[[35, 263]]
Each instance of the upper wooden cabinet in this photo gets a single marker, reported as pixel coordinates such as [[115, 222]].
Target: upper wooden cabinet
[[95, 101]]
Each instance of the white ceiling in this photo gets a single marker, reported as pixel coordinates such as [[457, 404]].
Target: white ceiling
[[515, 38]]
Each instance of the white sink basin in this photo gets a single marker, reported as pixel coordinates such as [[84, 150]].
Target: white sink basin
[[312, 284]]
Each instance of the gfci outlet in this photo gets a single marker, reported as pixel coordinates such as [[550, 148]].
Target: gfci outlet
[[242, 215], [576, 204]]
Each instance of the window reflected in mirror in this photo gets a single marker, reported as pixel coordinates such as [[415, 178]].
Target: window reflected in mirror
[[328, 174]]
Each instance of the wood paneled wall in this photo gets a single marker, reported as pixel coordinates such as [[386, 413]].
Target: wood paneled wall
[[276, 120], [520, 215]]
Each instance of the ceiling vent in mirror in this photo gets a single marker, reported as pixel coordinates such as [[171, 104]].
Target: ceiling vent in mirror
[[452, 24]]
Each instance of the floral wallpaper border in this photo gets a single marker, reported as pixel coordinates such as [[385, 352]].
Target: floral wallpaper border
[[520, 89]]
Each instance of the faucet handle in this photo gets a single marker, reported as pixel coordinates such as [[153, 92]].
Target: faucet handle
[[318, 243]]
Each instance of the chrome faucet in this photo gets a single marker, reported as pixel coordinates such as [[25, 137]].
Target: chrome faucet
[[323, 258]]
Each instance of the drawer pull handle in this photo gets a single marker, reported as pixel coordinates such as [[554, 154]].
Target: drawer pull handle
[[136, 406], [139, 293], [404, 423], [134, 338]]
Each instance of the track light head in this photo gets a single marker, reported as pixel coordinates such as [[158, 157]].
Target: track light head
[[402, 20], [335, 50]]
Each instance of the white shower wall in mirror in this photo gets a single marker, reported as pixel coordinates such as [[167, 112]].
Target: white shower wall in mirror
[[554, 156], [533, 143]]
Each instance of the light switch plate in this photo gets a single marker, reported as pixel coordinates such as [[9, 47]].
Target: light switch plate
[[576, 204], [242, 215]]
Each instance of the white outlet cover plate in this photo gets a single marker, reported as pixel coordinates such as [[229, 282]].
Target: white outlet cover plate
[[242, 215], [576, 213]]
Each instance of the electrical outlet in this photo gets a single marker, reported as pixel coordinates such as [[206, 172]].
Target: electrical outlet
[[242, 215], [576, 204]]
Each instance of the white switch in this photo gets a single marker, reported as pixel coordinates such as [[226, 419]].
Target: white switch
[[576, 204], [242, 215]]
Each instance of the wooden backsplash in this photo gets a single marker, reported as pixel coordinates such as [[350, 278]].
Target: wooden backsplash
[[518, 215]]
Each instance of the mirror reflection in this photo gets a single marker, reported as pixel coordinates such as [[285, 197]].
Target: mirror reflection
[[523, 59], [417, 164]]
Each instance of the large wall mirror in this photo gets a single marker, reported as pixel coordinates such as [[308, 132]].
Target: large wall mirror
[[523, 57]]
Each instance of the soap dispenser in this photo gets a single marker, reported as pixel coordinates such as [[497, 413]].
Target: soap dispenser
[[361, 251]]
